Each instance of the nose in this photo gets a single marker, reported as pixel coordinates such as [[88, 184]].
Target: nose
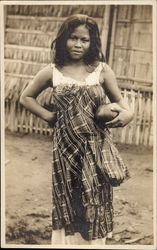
[[78, 43]]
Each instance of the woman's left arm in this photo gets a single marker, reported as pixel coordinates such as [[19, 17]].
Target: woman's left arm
[[109, 84]]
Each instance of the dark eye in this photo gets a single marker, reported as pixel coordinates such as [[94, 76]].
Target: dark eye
[[85, 40], [72, 37]]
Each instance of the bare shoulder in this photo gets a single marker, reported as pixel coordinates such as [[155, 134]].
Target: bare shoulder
[[109, 83], [45, 75], [107, 74]]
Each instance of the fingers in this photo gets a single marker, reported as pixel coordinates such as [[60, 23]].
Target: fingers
[[53, 119], [115, 123], [117, 108]]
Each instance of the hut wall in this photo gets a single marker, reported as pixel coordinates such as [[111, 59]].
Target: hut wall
[[29, 32], [131, 60]]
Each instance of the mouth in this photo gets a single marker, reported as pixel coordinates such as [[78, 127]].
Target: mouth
[[77, 52]]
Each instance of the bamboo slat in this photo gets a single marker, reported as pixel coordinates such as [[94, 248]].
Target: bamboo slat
[[27, 31], [124, 12], [32, 19], [7, 114], [134, 108], [27, 53], [12, 119], [19, 76], [26, 122], [147, 72], [18, 114], [138, 49], [23, 115], [10, 60], [139, 56], [134, 20], [139, 120], [146, 123], [31, 124], [122, 34], [130, 100], [142, 12], [36, 125], [150, 120], [140, 80], [28, 39], [142, 40], [142, 123], [15, 46], [22, 68], [123, 133], [142, 120]]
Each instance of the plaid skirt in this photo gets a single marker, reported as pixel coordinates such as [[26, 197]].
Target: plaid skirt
[[82, 193]]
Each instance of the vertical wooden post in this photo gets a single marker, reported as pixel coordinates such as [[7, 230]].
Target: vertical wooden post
[[105, 28], [112, 37]]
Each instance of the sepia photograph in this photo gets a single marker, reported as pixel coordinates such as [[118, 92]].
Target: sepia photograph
[[78, 99]]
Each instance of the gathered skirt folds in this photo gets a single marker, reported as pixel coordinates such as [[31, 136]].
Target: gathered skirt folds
[[82, 194]]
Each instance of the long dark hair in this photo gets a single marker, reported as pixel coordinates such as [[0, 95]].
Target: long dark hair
[[58, 46]]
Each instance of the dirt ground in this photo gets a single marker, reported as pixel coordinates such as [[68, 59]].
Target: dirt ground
[[28, 193]]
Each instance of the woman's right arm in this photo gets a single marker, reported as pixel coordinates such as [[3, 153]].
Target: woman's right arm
[[41, 81]]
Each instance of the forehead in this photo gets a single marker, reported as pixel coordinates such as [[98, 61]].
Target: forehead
[[81, 30]]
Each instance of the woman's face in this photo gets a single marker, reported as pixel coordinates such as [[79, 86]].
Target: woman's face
[[78, 43]]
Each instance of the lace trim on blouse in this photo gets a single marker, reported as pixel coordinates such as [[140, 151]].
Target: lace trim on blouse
[[91, 79]]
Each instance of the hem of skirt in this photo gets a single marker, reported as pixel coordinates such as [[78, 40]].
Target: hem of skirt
[[106, 235]]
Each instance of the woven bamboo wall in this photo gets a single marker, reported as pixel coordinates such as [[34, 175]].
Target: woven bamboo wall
[[133, 45], [28, 34], [131, 60]]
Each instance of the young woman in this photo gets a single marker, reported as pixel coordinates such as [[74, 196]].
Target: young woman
[[86, 164]]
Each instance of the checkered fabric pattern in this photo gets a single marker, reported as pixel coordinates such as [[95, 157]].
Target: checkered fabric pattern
[[86, 164]]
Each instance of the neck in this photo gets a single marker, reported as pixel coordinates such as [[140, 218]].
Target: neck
[[75, 63]]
